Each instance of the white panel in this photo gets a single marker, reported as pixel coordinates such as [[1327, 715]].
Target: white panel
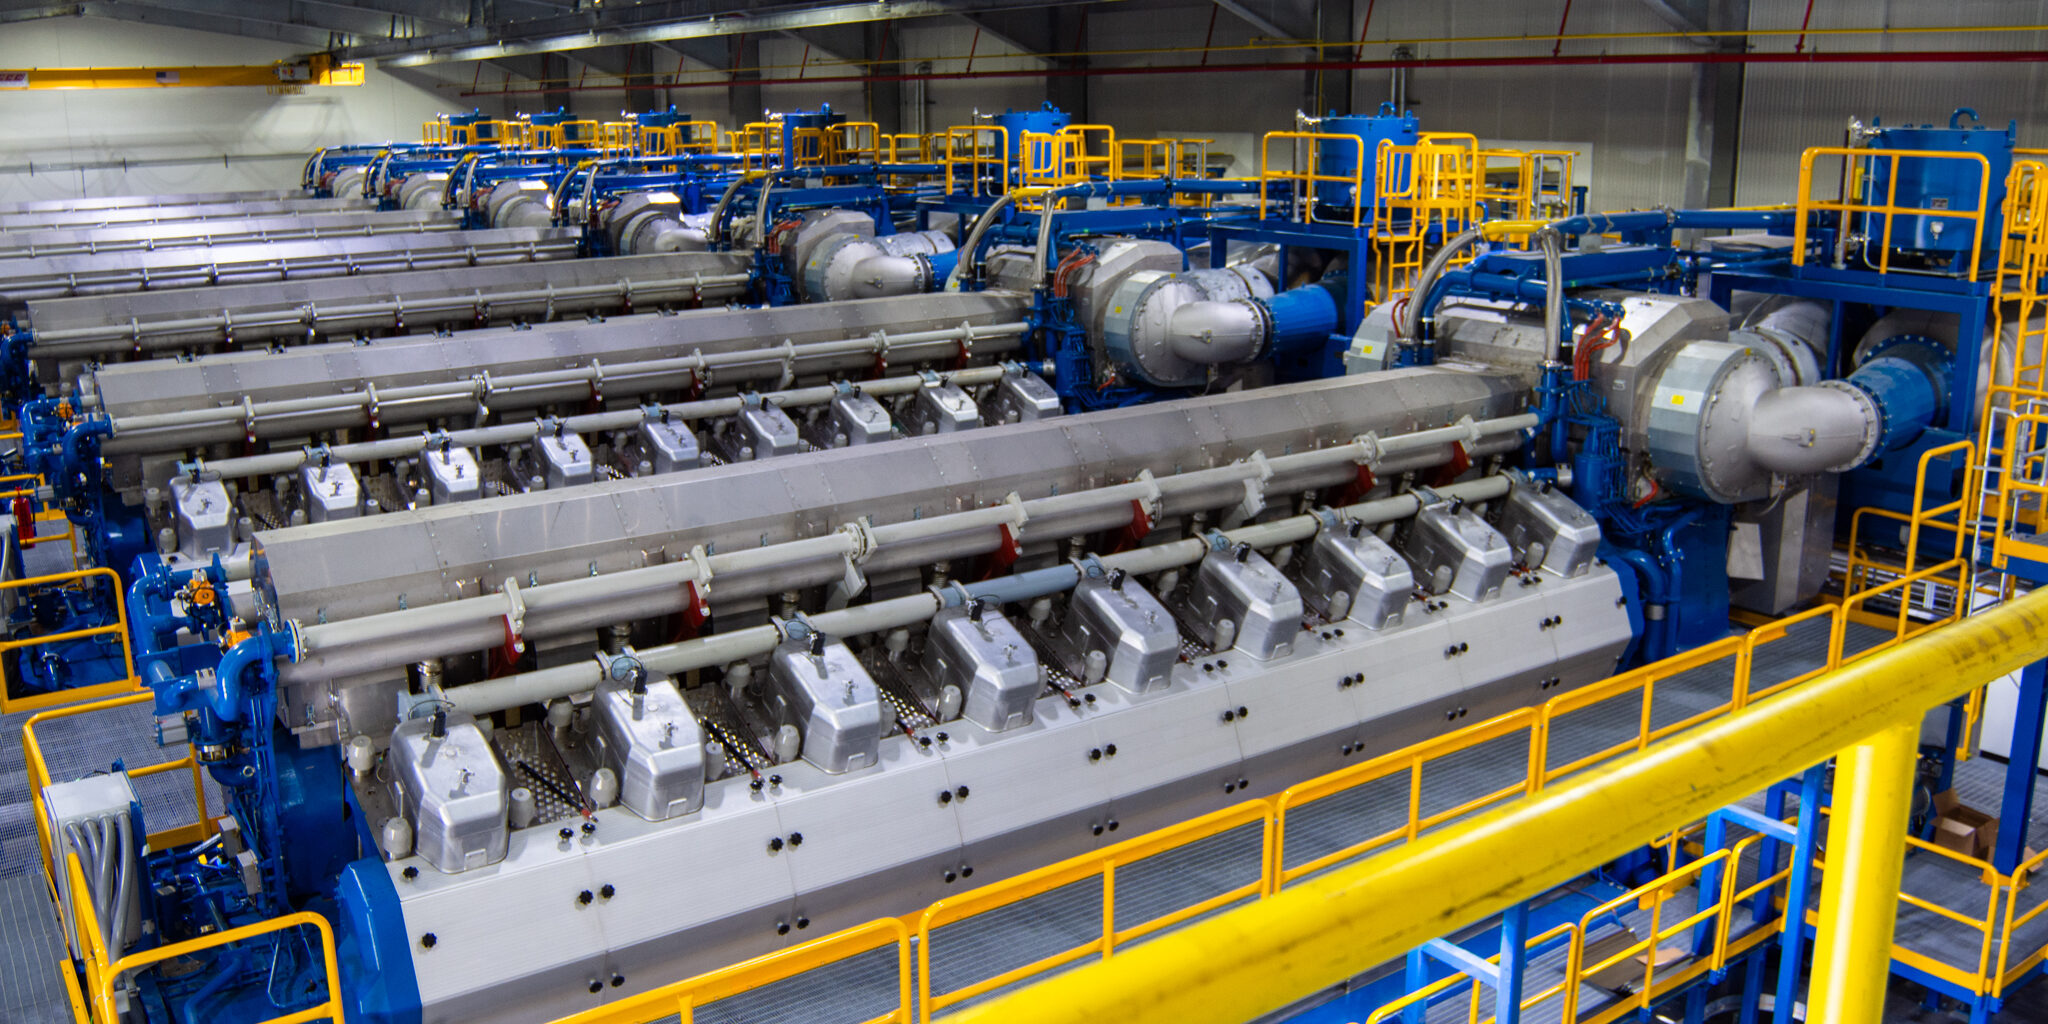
[[266, 138]]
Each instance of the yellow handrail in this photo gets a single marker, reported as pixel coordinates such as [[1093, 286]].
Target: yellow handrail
[[101, 976], [1889, 208], [1307, 170], [679, 1000], [1324, 930], [1100, 865], [119, 627]]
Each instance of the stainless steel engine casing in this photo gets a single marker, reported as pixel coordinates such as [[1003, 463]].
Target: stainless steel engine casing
[[942, 409], [654, 746], [454, 791], [671, 445], [1549, 531], [876, 844], [1023, 397], [856, 418], [1118, 619], [1454, 550], [1376, 583], [831, 700], [1242, 588], [991, 663]]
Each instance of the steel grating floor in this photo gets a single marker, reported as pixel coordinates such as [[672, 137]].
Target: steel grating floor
[[31, 990]]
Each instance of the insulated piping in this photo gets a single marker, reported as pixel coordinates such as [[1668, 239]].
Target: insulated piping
[[514, 433], [973, 242], [250, 417], [1553, 301], [1426, 280], [388, 639], [488, 696], [126, 337]]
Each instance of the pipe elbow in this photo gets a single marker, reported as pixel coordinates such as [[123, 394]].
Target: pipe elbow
[[1830, 427], [1217, 333]]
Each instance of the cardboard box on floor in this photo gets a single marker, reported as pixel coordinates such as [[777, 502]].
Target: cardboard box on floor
[[1962, 828]]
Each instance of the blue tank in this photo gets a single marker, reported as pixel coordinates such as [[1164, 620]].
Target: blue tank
[[1046, 120], [1935, 184], [1340, 157], [797, 120]]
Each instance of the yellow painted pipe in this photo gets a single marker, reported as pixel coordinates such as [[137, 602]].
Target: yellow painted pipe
[[1859, 903], [1257, 959]]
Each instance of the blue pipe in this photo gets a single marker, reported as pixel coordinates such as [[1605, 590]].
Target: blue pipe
[[1651, 220], [1654, 593], [1026, 586], [942, 264], [1303, 319], [226, 698]]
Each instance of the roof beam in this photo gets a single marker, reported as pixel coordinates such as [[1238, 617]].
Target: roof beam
[[1680, 20], [820, 44], [434, 13], [1255, 19]]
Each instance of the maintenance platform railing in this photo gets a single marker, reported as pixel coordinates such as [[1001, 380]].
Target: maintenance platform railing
[[98, 975]]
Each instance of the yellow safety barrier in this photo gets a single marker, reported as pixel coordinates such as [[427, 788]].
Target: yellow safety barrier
[[1525, 724], [1324, 930], [117, 628], [1146, 158], [1442, 985], [1098, 867], [678, 1001], [101, 976], [1889, 209], [95, 1004], [1306, 171], [977, 159], [1430, 190], [906, 148], [38, 771]]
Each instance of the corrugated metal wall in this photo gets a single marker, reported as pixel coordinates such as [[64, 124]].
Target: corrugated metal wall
[[1788, 107], [1633, 117]]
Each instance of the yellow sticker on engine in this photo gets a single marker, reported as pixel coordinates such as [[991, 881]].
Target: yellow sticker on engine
[[1677, 399]]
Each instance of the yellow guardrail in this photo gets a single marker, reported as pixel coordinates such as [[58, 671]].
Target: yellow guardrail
[[1536, 727], [1889, 209], [1146, 158], [95, 1002], [1305, 169], [101, 975], [1257, 958], [1099, 866], [118, 628], [679, 1001], [38, 771], [977, 159], [1436, 988]]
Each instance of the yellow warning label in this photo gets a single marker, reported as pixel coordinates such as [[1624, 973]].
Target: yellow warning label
[[1677, 399]]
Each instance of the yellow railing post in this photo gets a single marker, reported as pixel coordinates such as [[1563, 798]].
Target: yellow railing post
[[1858, 892]]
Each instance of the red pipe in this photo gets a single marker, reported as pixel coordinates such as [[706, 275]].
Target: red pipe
[[1615, 59]]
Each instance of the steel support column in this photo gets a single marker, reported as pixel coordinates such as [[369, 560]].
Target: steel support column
[[1859, 891]]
